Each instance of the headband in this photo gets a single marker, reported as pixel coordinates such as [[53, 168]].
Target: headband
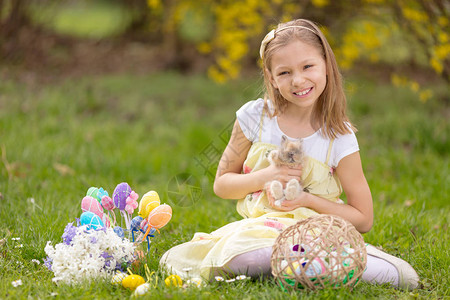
[[271, 35]]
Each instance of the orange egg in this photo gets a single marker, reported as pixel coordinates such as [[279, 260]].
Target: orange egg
[[149, 201], [160, 216], [132, 282]]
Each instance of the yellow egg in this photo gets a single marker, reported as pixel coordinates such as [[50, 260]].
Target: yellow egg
[[289, 270], [173, 280], [142, 289], [118, 277], [148, 202], [132, 282]]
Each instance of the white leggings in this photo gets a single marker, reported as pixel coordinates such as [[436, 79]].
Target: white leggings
[[256, 263]]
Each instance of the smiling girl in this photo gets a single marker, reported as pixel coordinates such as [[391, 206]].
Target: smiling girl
[[304, 99]]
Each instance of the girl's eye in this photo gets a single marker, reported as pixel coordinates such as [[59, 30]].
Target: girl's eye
[[283, 73], [307, 67]]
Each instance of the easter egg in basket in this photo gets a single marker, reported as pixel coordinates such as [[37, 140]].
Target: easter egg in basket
[[319, 252]]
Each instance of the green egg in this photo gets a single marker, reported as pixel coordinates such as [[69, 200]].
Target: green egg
[[93, 192]]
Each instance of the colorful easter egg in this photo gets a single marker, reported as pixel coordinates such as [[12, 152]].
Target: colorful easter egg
[[93, 192], [120, 195], [149, 201], [119, 231], [142, 289], [136, 223], [101, 193], [107, 203], [160, 216], [295, 268], [91, 204], [91, 220], [173, 280], [118, 277], [132, 282], [316, 267]]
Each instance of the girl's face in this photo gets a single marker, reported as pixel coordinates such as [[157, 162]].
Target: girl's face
[[298, 71]]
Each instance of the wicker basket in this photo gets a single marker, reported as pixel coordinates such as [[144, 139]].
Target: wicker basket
[[319, 252]]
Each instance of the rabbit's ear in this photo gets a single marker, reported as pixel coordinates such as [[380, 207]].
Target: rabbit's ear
[[284, 139]]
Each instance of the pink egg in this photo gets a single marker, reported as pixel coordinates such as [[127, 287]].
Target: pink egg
[[160, 216], [91, 204], [107, 203]]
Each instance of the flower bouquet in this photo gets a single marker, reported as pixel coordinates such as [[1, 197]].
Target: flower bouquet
[[97, 246]]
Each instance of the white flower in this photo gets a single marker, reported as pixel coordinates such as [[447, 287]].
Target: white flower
[[219, 278], [36, 261], [19, 246], [241, 277], [90, 254], [16, 283], [15, 239]]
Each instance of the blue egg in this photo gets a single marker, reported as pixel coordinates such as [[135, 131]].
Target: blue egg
[[101, 193], [119, 231], [136, 223], [91, 220]]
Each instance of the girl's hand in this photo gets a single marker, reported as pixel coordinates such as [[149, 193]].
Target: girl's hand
[[287, 205], [282, 173]]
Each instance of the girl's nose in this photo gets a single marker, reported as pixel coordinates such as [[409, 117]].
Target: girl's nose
[[297, 80]]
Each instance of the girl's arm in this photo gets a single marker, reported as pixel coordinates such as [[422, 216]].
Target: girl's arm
[[359, 208], [231, 184]]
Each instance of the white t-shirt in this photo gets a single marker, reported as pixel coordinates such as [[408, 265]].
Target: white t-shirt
[[315, 145]]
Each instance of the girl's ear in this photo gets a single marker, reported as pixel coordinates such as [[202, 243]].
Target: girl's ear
[[272, 81]]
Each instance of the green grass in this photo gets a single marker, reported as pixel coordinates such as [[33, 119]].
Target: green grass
[[147, 129]]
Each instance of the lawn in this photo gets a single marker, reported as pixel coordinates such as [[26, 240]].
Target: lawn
[[57, 140]]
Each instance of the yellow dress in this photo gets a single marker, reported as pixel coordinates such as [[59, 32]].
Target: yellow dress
[[261, 224]]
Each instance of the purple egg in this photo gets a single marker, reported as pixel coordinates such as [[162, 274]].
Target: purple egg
[[120, 195]]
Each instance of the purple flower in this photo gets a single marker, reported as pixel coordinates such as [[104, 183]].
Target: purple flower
[[48, 263], [69, 233], [107, 258]]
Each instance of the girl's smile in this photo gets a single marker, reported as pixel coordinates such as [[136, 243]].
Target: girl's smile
[[303, 92], [298, 72]]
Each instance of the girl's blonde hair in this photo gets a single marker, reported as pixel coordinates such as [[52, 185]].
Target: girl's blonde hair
[[330, 109]]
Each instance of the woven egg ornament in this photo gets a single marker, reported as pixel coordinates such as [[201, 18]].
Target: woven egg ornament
[[319, 252], [132, 281], [91, 220], [149, 201], [91, 204], [93, 192], [173, 280], [120, 195], [136, 223], [160, 216]]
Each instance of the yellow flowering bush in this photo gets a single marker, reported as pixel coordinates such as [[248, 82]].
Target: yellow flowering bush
[[229, 32]]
